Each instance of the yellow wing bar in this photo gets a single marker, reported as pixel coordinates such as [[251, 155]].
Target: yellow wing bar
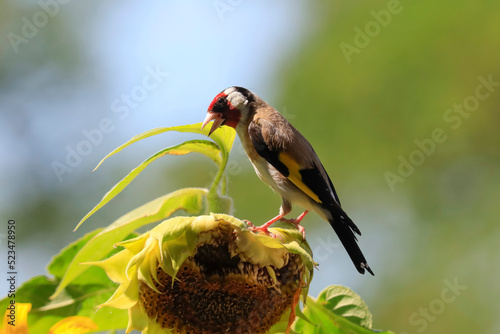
[[294, 175]]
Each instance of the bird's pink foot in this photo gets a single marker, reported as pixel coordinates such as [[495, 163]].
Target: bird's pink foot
[[264, 228], [256, 229]]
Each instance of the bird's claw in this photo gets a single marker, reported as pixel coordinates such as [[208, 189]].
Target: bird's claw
[[249, 223], [264, 229]]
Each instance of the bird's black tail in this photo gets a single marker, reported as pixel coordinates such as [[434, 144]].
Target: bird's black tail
[[345, 228]]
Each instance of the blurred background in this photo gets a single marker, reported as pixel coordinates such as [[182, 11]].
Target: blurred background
[[399, 98]]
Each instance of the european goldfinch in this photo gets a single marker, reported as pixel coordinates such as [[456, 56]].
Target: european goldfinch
[[284, 160]]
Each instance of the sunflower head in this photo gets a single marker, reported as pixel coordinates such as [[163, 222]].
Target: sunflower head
[[209, 274]]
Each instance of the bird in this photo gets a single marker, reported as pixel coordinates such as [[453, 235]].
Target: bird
[[286, 161]]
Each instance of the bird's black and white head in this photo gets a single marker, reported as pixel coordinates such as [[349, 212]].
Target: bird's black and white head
[[229, 107]]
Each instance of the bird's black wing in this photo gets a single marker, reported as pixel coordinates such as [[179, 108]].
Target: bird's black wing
[[265, 148]]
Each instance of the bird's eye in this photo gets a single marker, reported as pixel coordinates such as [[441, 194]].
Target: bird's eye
[[220, 105]]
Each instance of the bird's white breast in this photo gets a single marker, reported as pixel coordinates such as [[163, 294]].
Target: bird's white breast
[[260, 165]]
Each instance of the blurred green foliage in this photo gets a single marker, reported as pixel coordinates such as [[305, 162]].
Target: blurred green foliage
[[363, 114]]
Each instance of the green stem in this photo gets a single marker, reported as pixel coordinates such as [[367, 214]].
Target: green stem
[[220, 173], [224, 186], [220, 203]]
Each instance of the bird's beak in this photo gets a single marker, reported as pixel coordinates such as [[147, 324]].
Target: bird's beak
[[216, 117]]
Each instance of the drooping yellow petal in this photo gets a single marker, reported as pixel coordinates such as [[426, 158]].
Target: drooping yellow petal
[[73, 325], [251, 247], [134, 245], [146, 268], [15, 320], [166, 266], [137, 319], [179, 252], [125, 296], [140, 257], [204, 223], [154, 265], [115, 265], [154, 328]]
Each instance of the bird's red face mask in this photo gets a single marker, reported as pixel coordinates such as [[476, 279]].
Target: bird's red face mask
[[222, 112]]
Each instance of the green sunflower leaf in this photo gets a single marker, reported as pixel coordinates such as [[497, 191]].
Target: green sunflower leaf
[[75, 300], [223, 136], [61, 261], [190, 200], [337, 310], [201, 146], [346, 303]]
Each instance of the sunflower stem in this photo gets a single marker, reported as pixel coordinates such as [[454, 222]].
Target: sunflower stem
[[219, 203], [218, 176]]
